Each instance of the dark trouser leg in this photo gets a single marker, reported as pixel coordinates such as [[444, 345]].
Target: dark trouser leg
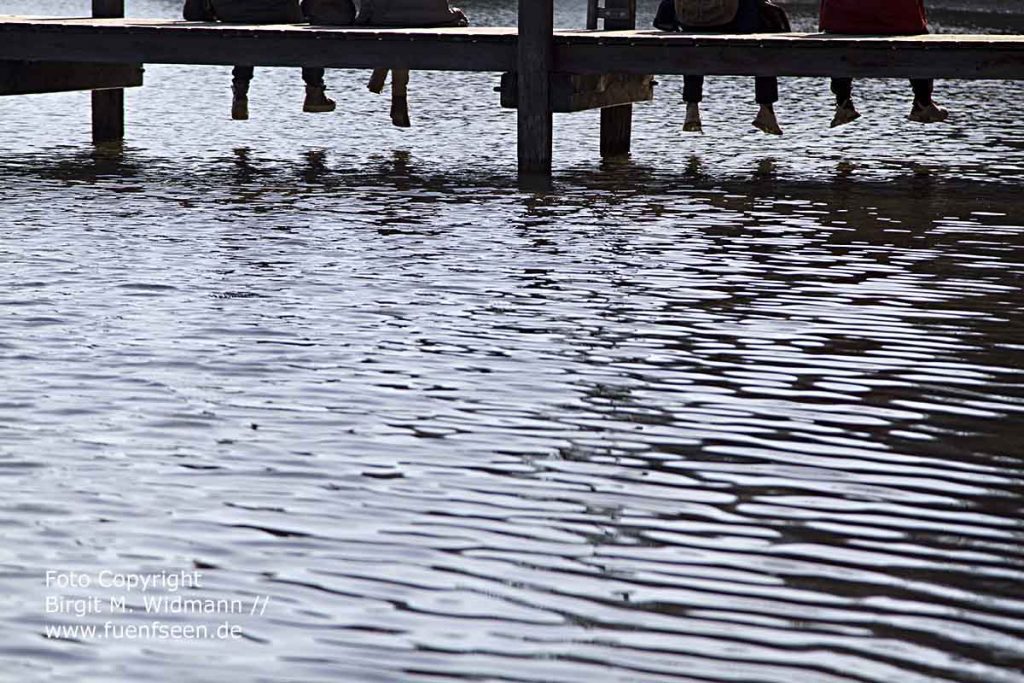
[[313, 77], [923, 89], [766, 89], [240, 78], [693, 89], [842, 88]]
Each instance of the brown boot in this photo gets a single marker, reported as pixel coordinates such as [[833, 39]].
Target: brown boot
[[317, 100], [927, 113], [239, 104]]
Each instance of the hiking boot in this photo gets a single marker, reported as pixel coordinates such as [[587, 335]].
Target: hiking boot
[[693, 124], [845, 113], [400, 113], [766, 122], [927, 113], [317, 102], [239, 104]]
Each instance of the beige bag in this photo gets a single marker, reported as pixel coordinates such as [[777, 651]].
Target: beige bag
[[706, 13]]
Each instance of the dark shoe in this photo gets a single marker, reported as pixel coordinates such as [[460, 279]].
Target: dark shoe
[[317, 102], [766, 121], [239, 105], [692, 123], [927, 113], [400, 112], [845, 113]]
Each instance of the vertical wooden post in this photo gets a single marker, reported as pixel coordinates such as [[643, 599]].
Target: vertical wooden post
[[617, 122], [535, 61], [107, 105]]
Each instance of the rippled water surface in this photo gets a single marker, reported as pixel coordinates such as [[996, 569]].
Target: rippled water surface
[[740, 409]]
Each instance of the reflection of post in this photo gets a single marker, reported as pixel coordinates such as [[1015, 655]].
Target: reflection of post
[[535, 59], [617, 122], [107, 105]]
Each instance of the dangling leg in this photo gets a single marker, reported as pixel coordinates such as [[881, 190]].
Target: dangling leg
[[241, 76], [693, 95], [846, 113], [925, 110], [316, 100], [376, 82], [766, 89], [399, 98]]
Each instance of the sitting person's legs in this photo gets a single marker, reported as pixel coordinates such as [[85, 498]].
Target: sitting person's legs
[[766, 91], [842, 88], [241, 76], [925, 110], [316, 97], [693, 95]]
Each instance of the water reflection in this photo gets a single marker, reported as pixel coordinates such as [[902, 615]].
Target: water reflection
[[724, 411]]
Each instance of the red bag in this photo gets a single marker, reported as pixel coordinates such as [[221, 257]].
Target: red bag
[[892, 17]]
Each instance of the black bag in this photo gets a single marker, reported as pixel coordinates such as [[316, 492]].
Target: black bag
[[774, 18], [410, 13], [198, 10], [329, 12]]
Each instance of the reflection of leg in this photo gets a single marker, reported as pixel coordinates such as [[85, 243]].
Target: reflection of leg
[[241, 76], [846, 113], [693, 95], [766, 91], [925, 110], [316, 97], [400, 98]]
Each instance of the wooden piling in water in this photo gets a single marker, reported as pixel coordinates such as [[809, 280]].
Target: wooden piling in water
[[534, 62], [107, 105], [617, 122]]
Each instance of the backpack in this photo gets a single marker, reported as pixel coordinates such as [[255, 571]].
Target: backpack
[[409, 13], [706, 13], [198, 10], [329, 12], [891, 17]]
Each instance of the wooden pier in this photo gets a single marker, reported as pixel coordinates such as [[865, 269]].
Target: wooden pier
[[547, 70]]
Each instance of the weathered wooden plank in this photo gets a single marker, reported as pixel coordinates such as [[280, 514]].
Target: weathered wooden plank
[[292, 46], [617, 122], [27, 78], [792, 60], [534, 66], [494, 49]]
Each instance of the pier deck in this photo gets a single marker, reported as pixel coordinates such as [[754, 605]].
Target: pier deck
[[74, 53], [154, 41]]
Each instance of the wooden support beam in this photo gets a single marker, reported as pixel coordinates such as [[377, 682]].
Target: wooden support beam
[[579, 92], [107, 105], [534, 64], [617, 122], [107, 116], [29, 78]]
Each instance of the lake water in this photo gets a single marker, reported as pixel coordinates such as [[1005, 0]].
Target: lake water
[[739, 410]]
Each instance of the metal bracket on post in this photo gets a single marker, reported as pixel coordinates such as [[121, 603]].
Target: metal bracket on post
[[618, 16]]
